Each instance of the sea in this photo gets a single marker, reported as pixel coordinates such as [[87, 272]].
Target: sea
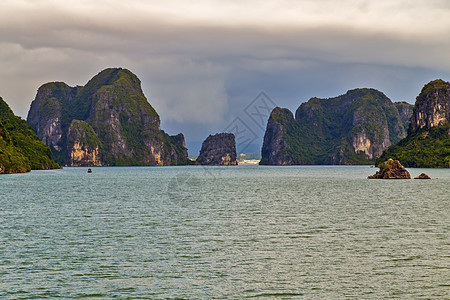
[[234, 232]]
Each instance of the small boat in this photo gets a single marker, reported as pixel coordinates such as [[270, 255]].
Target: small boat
[[89, 170]]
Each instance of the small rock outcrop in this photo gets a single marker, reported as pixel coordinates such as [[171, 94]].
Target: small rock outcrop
[[423, 176], [218, 150], [391, 169]]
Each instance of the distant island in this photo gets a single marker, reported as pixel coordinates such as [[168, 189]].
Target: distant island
[[218, 150], [249, 158], [107, 122], [20, 148], [350, 129], [363, 127]]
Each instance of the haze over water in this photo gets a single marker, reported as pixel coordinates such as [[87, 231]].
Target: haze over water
[[224, 232]]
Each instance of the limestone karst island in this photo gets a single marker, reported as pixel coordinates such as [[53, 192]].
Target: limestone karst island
[[363, 127], [109, 122]]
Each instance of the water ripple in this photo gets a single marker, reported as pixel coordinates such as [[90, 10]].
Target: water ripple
[[215, 233]]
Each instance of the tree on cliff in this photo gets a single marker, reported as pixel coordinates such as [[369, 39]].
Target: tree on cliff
[[20, 148], [427, 144]]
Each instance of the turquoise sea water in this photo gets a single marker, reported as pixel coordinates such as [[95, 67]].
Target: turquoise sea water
[[297, 232]]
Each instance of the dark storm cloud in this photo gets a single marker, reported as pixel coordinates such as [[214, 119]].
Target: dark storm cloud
[[201, 63]]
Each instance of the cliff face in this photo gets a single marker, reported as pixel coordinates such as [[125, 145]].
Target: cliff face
[[428, 142], [353, 128], [20, 148], [275, 146], [83, 145], [106, 122], [405, 111], [45, 114], [432, 108], [218, 150]]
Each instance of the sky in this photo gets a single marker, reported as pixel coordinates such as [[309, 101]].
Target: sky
[[204, 64]]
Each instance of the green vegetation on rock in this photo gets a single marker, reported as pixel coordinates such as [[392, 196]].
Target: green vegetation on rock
[[432, 90], [353, 128], [425, 148], [84, 133], [20, 148], [11, 159], [427, 144], [116, 117]]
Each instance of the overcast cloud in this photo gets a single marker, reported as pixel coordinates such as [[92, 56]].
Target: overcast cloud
[[202, 63]]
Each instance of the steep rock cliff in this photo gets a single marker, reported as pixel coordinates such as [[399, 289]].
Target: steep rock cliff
[[275, 147], [111, 107], [432, 107], [428, 142], [350, 129], [218, 150], [405, 111], [45, 114], [83, 145]]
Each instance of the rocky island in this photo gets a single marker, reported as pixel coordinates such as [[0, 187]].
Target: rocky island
[[218, 150], [20, 148], [427, 144], [391, 169], [353, 128], [423, 176], [107, 122]]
